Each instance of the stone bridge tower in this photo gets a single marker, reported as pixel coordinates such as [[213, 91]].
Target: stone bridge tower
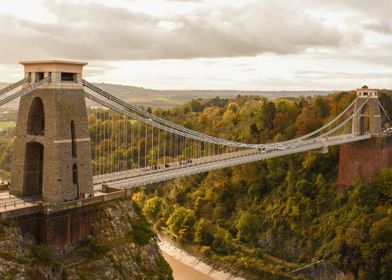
[[369, 118], [361, 161], [52, 154]]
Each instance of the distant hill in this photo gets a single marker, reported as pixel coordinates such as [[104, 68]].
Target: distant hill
[[171, 98]]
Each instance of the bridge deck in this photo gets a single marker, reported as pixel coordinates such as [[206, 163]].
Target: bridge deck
[[139, 177]]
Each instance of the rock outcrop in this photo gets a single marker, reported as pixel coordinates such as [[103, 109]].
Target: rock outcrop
[[122, 246]]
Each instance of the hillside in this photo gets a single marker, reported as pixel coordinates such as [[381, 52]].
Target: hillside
[[170, 98], [266, 219], [271, 217]]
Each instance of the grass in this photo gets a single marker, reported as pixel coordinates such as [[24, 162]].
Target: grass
[[5, 125]]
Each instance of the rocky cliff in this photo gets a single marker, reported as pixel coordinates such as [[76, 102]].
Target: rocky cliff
[[122, 246]]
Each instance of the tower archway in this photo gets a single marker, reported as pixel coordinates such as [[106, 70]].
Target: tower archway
[[33, 169], [364, 123], [36, 119]]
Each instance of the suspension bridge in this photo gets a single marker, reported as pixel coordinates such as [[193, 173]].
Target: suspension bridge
[[132, 147], [77, 145]]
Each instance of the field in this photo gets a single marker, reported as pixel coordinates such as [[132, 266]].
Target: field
[[5, 125]]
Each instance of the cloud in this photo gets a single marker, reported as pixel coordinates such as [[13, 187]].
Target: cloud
[[376, 9], [381, 26], [98, 32]]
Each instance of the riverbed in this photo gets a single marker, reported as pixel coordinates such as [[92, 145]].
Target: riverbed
[[188, 267], [182, 271]]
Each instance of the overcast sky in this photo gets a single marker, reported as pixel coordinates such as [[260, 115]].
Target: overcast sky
[[205, 44]]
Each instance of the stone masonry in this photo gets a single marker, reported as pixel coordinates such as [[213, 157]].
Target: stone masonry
[[361, 161], [52, 157]]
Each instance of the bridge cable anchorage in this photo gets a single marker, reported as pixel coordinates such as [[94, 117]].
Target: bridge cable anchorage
[[14, 85], [200, 136], [24, 91]]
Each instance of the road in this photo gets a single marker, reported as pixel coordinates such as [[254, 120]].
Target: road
[[142, 176]]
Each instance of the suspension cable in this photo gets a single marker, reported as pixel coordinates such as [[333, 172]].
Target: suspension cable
[[385, 112], [24, 91], [197, 135], [14, 85]]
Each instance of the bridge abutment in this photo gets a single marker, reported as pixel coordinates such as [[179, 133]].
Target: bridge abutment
[[362, 161], [59, 229]]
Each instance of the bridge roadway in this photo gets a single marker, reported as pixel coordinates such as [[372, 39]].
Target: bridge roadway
[[145, 176]]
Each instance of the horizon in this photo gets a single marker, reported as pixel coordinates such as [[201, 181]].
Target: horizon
[[207, 89]]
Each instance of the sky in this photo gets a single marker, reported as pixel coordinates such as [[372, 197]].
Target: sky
[[205, 44]]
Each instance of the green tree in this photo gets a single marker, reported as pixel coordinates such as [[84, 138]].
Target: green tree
[[152, 207], [196, 106], [222, 240], [269, 111], [321, 108], [181, 223], [307, 189], [247, 226], [203, 232]]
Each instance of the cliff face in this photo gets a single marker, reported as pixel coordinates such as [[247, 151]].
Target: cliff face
[[122, 246]]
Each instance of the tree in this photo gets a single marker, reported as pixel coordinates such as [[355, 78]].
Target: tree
[[247, 226], [222, 240], [307, 189], [321, 108], [181, 223], [196, 106], [307, 121], [254, 131], [269, 111], [203, 232], [381, 231], [257, 190], [152, 207]]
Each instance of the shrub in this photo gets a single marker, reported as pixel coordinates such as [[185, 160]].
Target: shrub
[[91, 248], [141, 232]]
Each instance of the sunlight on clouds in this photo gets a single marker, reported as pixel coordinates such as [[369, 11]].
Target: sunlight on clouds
[[33, 10], [205, 44], [170, 25], [266, 72]]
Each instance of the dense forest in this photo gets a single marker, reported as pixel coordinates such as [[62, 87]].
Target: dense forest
[[270, 217], [262, 219]]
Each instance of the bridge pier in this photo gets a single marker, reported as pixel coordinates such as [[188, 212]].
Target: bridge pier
[[363, 160]]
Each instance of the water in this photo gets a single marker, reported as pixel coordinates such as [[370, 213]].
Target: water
[[188, 267], [182, 271]]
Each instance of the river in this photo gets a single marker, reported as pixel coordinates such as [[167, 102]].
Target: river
[[182, 271], [188, 267]]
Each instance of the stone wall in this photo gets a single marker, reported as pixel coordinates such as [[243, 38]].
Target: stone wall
[[60, 229], [361, 161]]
